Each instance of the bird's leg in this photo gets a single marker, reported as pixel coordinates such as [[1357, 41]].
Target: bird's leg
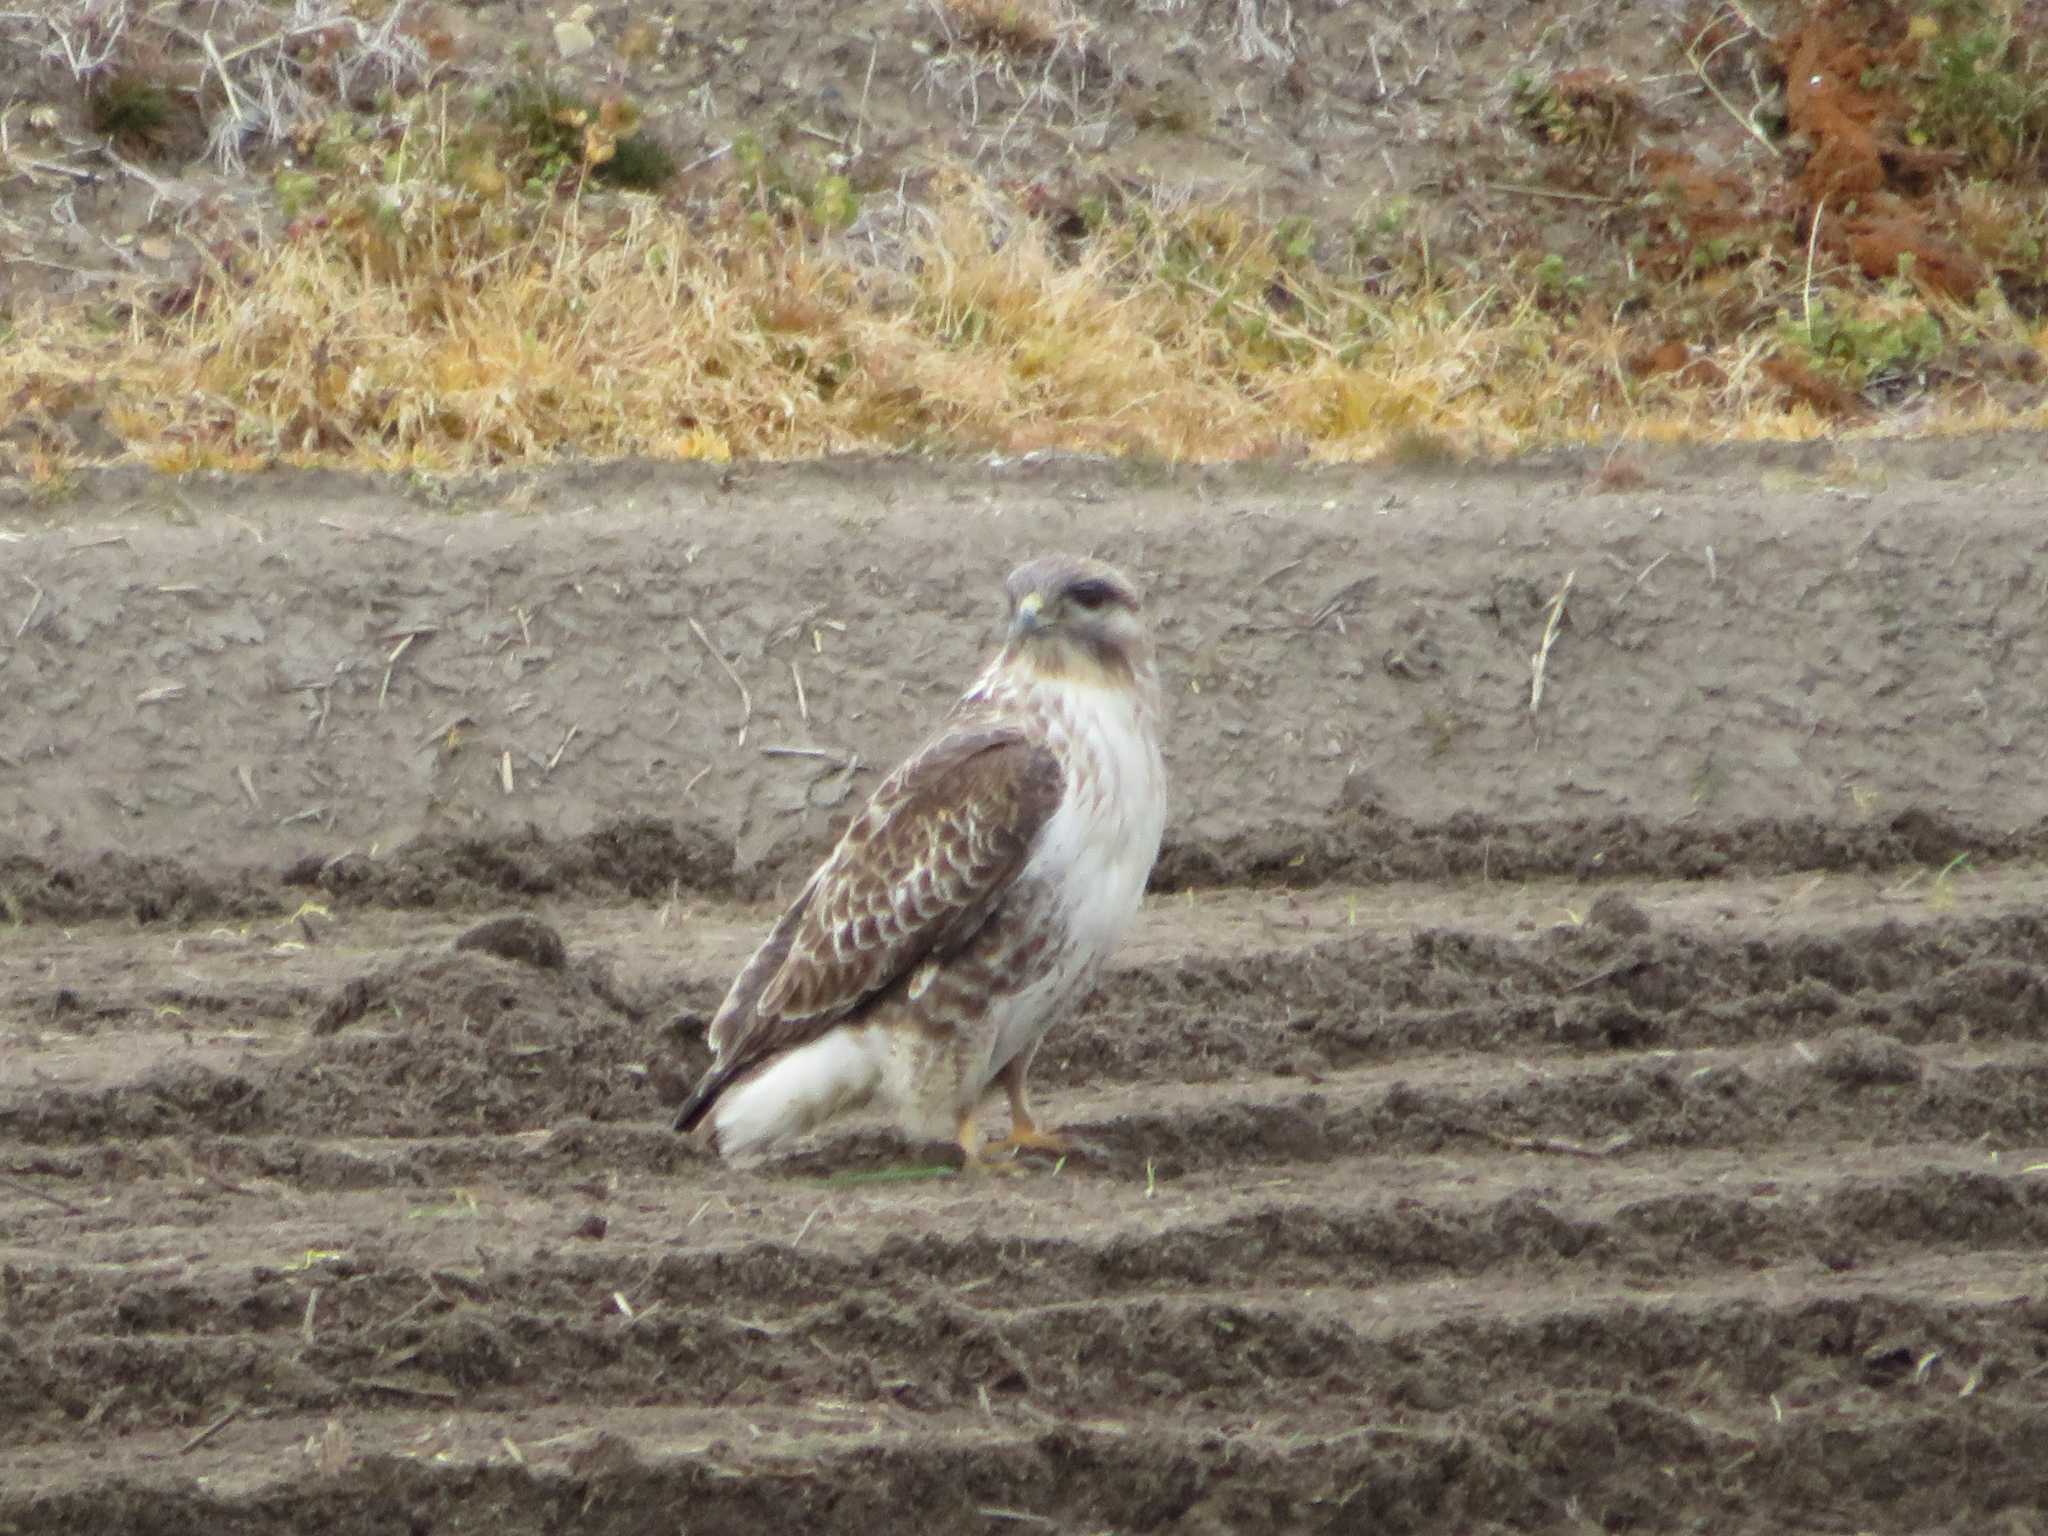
[[1025, 1133], [974, 1156]]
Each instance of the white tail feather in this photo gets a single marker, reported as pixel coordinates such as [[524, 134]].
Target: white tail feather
[[837, 1071]]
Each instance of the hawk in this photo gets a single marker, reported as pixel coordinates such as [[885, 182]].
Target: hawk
[[971, 901]]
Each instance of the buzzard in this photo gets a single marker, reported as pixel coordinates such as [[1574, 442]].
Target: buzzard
[[970, 902]]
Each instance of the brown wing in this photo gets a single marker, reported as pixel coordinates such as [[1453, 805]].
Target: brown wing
[[914, 876]]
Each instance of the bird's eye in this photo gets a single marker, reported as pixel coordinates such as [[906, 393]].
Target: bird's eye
[[1090, 594]]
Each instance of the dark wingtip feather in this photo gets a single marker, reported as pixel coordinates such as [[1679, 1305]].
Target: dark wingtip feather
[[701, 1098]]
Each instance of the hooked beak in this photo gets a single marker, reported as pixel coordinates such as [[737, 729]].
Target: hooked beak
[[1030, 616]]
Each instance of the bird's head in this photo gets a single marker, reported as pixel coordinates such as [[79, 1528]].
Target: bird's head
[[1076, 618]]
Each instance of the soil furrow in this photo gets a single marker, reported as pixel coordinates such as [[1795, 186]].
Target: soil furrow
[[1408, 1352], [1496, 1221], [1617, 1458]]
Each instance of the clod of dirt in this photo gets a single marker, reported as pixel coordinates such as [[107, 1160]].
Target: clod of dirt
[[347, 1005], [448, 1040], [465, 1347], [518, 937], [1863, 1058], [592, 1228], [1603, 1024], [1617, 914]]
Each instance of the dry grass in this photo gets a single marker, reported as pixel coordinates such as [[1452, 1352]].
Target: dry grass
[[443, 330], [454, 293], [425, 313]]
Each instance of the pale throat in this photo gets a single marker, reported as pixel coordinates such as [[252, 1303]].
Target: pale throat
[[1061, 664]]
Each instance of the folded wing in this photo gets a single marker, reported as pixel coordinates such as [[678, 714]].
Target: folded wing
[[914, 877]]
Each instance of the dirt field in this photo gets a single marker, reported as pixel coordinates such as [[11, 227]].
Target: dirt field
[[1629, 1114]]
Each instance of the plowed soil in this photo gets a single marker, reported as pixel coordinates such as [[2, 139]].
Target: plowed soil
[[1630, 1113]]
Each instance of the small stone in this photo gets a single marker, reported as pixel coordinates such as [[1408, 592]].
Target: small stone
[[1865, 1058], [573, 39], [525, 939], [1617, 914]]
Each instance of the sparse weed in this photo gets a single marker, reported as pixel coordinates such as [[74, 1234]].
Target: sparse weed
[[130, 109], [1169, 108], [1021, 28], [1867, 342], [776, 188], [1584, 109], [551, 134], [1982, 89]]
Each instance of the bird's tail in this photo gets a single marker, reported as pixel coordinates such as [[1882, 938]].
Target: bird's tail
[[759, 1107]]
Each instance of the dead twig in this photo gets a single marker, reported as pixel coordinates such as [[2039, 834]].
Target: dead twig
[[406, 1389], [36, 1194], [210, 1431], [1812, 245], [1558, 1145], [83, 177], [1748, 120], [391, 661], [1539, 664], [746, 698], [1550, 192], [1627, 967], [35, 606], [556, 756]]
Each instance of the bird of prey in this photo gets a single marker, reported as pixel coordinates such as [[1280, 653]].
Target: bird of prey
[[971, 901]]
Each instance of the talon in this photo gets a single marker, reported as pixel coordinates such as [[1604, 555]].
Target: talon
[[974, 1156], [1029, 1138]]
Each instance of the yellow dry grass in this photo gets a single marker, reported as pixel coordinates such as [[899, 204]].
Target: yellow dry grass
[[441, 329]]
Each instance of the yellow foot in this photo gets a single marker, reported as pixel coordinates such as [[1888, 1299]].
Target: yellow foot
[[1029, 1138], [974, 1156]]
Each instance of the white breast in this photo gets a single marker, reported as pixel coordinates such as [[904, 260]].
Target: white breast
[[1095, 854]]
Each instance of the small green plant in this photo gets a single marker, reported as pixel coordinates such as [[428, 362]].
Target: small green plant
[[638, 163], [1169, 108], [1583, 109], [1556, 280], [1295, 238], [834, 203], [1942, 898], [1388, 219], [554, 136], [296, 191], [1869, 343], [779, 192], [1981, 92], [132, 110], [1537, 108]]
